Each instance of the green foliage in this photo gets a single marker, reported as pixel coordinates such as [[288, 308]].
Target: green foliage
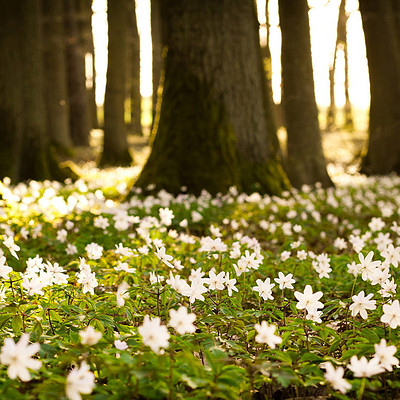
[[224, 357]]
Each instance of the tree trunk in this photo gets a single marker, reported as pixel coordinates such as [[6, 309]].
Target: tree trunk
[[305, 163], [213, 130], [56, 92], [11, 107], [84, 15], [79, 116], [133, 91], [115, 147], [382, 44], [157, 51], [23, 138]]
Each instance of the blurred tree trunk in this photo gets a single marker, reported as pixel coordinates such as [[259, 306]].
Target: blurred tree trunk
[[305, 162], [79, 113], [23, 136], [382, 44], [11, 107], [157, 51], [214, 127], [115, 147], [341, 42], [84, 15], [133, 72], [56, 92]]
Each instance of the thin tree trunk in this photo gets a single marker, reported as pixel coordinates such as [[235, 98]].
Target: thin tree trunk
[[214, 129], [79, 116], [115, 147], [84, 15], [56, 92], [382, 44], [305, 163], [157, 42], [134, 73]]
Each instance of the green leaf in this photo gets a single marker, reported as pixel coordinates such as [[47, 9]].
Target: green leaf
[[17, 324]]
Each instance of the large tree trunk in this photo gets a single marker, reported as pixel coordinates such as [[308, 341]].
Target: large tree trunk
[[382, 44], [133, 81], [305, 161], [157, 51], [115, 147], [213, 130], [11, 107], [56, 92], [24, 134], [79, 116]]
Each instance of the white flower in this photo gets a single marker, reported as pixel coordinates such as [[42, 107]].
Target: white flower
[[285, 282], [182, 321], [88, 280], [195, 290], [33, 285], [335, 378], [123, 251], [166, 216], [391, 255], [264, 289], [308, 299], [71, 249], [124, 266], [314, 315], [101, 222], [285, 255], [90, 336], [391, 314], [367, 267], [214, 281], [122, 293], [301, 254], [4, 269], [361, 304], [8, 241], [165, 258], [385, 355], [94, 251], [18, 357], [266, 334], [248, 261], [388, 288], [154, 334], [363, 368], [230, 284], [120, 345], [79, 381]]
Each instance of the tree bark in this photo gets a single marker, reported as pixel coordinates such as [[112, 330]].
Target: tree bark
[[22, 106], [79, 115], [305, 161], [84, 17], [157, 52], [382, 44], [214, 129], [56, 91], [11, 107], [115, 147], [133, 89]]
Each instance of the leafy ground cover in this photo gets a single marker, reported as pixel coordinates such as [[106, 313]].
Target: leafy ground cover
[[237, 296]]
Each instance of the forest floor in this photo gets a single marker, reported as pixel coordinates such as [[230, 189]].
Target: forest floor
[[343, 150]]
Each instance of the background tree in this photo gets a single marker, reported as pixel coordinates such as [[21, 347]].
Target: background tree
[[305, 160], [115, 147], [84, 17], [56, 92], [79, 116], [133, 72], [341, 43], [380, 24], [213, 129], [157, 50], [25, 151]]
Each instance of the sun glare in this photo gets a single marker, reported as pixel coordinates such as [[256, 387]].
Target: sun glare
[[323, 19]]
